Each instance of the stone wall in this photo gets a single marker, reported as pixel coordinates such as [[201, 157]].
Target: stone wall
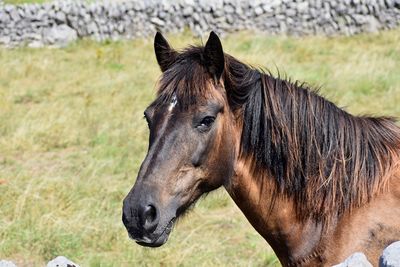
[[62, 21]]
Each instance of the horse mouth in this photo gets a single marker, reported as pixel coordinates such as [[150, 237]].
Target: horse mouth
[[158, 241]]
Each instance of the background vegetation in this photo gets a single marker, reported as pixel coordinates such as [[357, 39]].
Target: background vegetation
[[72, 138]]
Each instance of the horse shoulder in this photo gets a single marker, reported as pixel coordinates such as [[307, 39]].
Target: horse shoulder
[[370, 228]]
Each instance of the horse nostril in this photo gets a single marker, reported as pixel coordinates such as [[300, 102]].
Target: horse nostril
[[150, 213], [149, 218]]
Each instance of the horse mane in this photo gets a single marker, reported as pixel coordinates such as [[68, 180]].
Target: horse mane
[[327, 160], [187, 79]]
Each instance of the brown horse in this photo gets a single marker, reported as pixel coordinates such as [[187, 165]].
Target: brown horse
[[315, 181]]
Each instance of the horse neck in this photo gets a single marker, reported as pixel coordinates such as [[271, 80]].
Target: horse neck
[[274, 217], [296, 242]]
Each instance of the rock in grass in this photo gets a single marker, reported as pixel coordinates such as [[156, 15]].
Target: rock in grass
[[4, 263], [357, 259], [60, 35], [61, 261], [390, 256]]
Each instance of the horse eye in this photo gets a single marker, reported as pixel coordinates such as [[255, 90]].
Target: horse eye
[[206, 123]]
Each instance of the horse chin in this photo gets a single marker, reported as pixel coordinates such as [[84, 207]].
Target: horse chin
[[154, 244], [160, 240]]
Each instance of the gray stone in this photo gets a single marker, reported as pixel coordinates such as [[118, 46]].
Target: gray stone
[[60, 17], [302, 6], [33, 36], [157, 21], [92, 28], [390, 256], [290, 12], [61, 261], [5, 40], [267, 8], [21, 12], [196, 17], [8, 8], [120, 28], [187, 11], [41, 14], [341, 8], [258, 11], [162, 14], [357, 259], [371, 24], [229, 9], [14, 15], [60, 35], [389, 3], [51, 13], [218, 13], [4, 263], [35, 44], [4, 17]]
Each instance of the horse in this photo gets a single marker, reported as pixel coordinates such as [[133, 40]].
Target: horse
[[316, 182]]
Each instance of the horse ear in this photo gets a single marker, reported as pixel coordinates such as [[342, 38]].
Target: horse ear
[[214, 55], [165, 55]]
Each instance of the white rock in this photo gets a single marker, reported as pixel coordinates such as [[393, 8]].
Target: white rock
[[4, 263], [357, 259], [60, 35], [371, 24], [35, 44], [5, 40], [390, 256], [61, 261]]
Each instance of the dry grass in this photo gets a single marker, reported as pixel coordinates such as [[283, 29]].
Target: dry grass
[[72, 138]]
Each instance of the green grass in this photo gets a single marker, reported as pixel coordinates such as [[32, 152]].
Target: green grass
[[72, 139]]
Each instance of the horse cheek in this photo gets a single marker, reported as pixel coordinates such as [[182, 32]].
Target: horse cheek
[[199, 155]]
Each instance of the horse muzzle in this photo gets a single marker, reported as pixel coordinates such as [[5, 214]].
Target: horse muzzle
[[157, 240], [144, 224]]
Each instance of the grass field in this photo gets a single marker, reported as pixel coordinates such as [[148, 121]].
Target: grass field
[[72, 138]]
